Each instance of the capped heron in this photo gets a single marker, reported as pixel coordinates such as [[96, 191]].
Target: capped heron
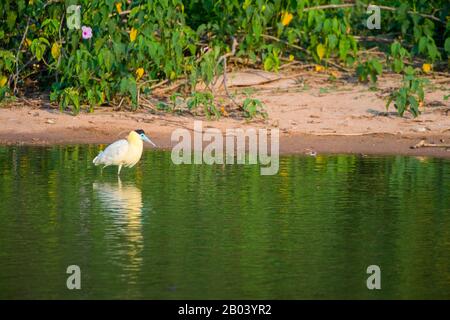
[[123, 152]]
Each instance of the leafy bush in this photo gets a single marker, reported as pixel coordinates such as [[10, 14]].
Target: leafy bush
[[410, 96], [253, 108], [203, 100]]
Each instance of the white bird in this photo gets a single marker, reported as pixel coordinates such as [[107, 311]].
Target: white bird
[[123, 152]]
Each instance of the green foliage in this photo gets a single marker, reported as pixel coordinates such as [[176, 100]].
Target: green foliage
[[410, 95], [397, 56], [204, 100], [253, 108]]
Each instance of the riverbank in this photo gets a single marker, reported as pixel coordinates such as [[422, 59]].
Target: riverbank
[[312, 113]]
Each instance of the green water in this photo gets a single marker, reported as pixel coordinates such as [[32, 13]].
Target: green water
[[198, 231]]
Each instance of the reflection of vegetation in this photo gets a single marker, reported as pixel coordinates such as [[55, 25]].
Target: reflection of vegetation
[[225, 231]]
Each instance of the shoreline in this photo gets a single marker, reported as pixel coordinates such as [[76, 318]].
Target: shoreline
[[291, 143]]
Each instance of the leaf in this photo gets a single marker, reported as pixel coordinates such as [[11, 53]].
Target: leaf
[[432, 50], [56, 50], [447, 45], [133, 34], [3, 81], [398, 65], [11, 19], [344, 46], [320, 51], [423, 44], [395, 49], [326, 26], [414, 106], [38, 48], [132, 89], [119, 7], [377, 66], [389, 101], [269, 64], [106, 59], [332, 41], [139, 73]]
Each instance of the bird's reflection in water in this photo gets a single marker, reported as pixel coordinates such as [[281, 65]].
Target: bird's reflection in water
[[123, 202]]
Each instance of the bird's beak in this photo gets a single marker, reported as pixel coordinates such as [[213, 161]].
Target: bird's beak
[[145, 138]]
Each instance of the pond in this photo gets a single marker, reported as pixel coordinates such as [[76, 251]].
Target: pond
[[165, 231]]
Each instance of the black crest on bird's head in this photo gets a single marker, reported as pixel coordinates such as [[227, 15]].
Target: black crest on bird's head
[[139, 131]]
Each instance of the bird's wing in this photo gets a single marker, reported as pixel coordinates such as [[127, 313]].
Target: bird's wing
[[113, 154]]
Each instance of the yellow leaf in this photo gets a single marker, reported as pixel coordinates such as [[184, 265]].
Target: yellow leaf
[[133, 34], [28, 42], [319, 68], [426, 67], [56, 50], [3, 81], [286, 18], [139, 73], [320, 51], [119, 7], [291, 57]]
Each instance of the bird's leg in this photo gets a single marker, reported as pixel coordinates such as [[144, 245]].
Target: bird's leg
[[120, 167]]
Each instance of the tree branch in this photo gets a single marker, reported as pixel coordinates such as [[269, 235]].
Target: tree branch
[[16, 75], [350, 5]]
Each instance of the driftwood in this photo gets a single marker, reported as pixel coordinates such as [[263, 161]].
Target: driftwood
[[423, 144]]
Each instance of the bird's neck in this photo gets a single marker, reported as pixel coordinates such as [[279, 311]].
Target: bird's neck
[[135, 141]]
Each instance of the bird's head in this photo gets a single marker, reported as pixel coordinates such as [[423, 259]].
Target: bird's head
[[143, 137]]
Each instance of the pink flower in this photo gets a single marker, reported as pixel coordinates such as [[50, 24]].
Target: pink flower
[[86, 32]]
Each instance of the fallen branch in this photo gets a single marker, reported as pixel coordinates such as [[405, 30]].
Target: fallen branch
[[423, 144], [223, 59], [175, 86], [120, 105], [267, 36], [345, 134]]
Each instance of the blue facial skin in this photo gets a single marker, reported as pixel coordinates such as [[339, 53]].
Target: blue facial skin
[[146, 139]]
